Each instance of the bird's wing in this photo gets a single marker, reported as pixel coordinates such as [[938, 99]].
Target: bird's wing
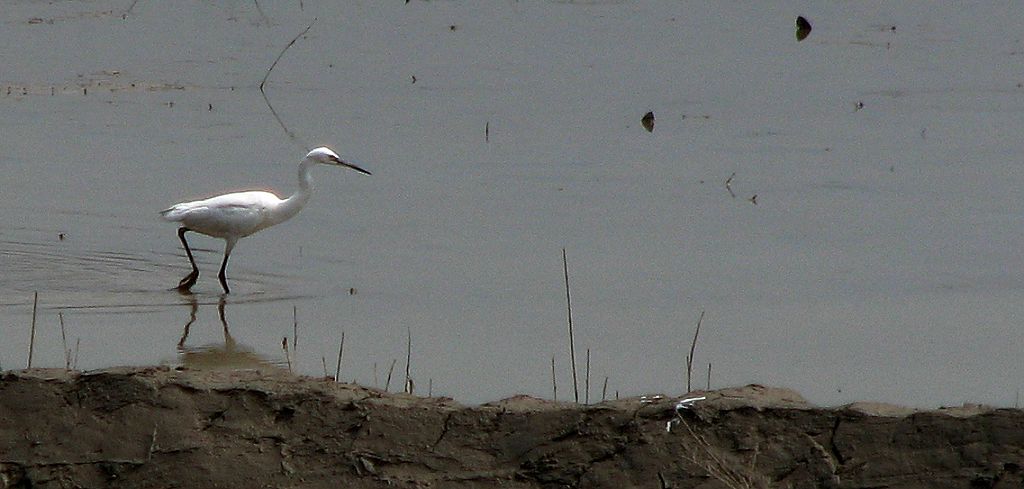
[[238, 214]]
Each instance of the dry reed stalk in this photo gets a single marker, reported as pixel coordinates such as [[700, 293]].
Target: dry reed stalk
[[709, 376], [32, 333], [689, 358], [387, 385], [554, 385], [572, 348], [64, 342], [586, 381], [408, 360], [341, 352], [721, 465], [287, 131]]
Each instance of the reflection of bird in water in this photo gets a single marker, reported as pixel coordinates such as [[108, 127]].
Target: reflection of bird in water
[[240, 214], [229, 356]]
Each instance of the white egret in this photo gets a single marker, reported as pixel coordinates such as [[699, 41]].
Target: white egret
[[240, 214]]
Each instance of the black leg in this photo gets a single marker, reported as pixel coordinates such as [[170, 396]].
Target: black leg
[[186, 283], [228, 246]]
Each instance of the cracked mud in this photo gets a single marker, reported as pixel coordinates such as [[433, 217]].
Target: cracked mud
[[161, 427]]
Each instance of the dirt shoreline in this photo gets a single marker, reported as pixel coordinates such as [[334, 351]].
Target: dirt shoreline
[[165, 427]]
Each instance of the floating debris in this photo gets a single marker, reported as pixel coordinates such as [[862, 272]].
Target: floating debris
[[803, 28], [753, 200], [728, 184], [648, 121]]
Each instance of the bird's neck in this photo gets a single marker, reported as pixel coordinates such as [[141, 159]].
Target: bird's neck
[[305, 181], [292, 205]]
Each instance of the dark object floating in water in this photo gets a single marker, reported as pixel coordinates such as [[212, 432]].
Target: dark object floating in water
[[648, 121], [803, 28]]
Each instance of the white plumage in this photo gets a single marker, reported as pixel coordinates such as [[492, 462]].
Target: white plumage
[[240, 214]]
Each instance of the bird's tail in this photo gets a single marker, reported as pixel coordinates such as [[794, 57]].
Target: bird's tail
[[174, 213]]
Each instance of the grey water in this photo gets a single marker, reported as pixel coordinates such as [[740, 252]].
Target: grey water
[[881, 260]]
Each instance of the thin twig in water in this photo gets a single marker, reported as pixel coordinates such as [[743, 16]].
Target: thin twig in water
[[287, 131], [376, 381], [387, 384], [604, 390], [709, 376], [32, 333], [129, 9], [78, 342], [260, 10], [689, 358], [430, 387], [728, 185], [324, 361], [572, 348]]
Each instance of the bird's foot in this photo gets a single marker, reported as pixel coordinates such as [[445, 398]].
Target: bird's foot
[[186, 283]]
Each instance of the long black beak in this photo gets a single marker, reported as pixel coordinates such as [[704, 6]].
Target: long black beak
[[354, 167]]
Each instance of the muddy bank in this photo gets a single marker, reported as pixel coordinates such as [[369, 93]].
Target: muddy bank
[[162, 427]]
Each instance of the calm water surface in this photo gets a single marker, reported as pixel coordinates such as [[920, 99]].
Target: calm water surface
[[881, 260]]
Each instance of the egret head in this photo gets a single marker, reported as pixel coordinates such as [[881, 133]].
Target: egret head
[[326, 156]]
